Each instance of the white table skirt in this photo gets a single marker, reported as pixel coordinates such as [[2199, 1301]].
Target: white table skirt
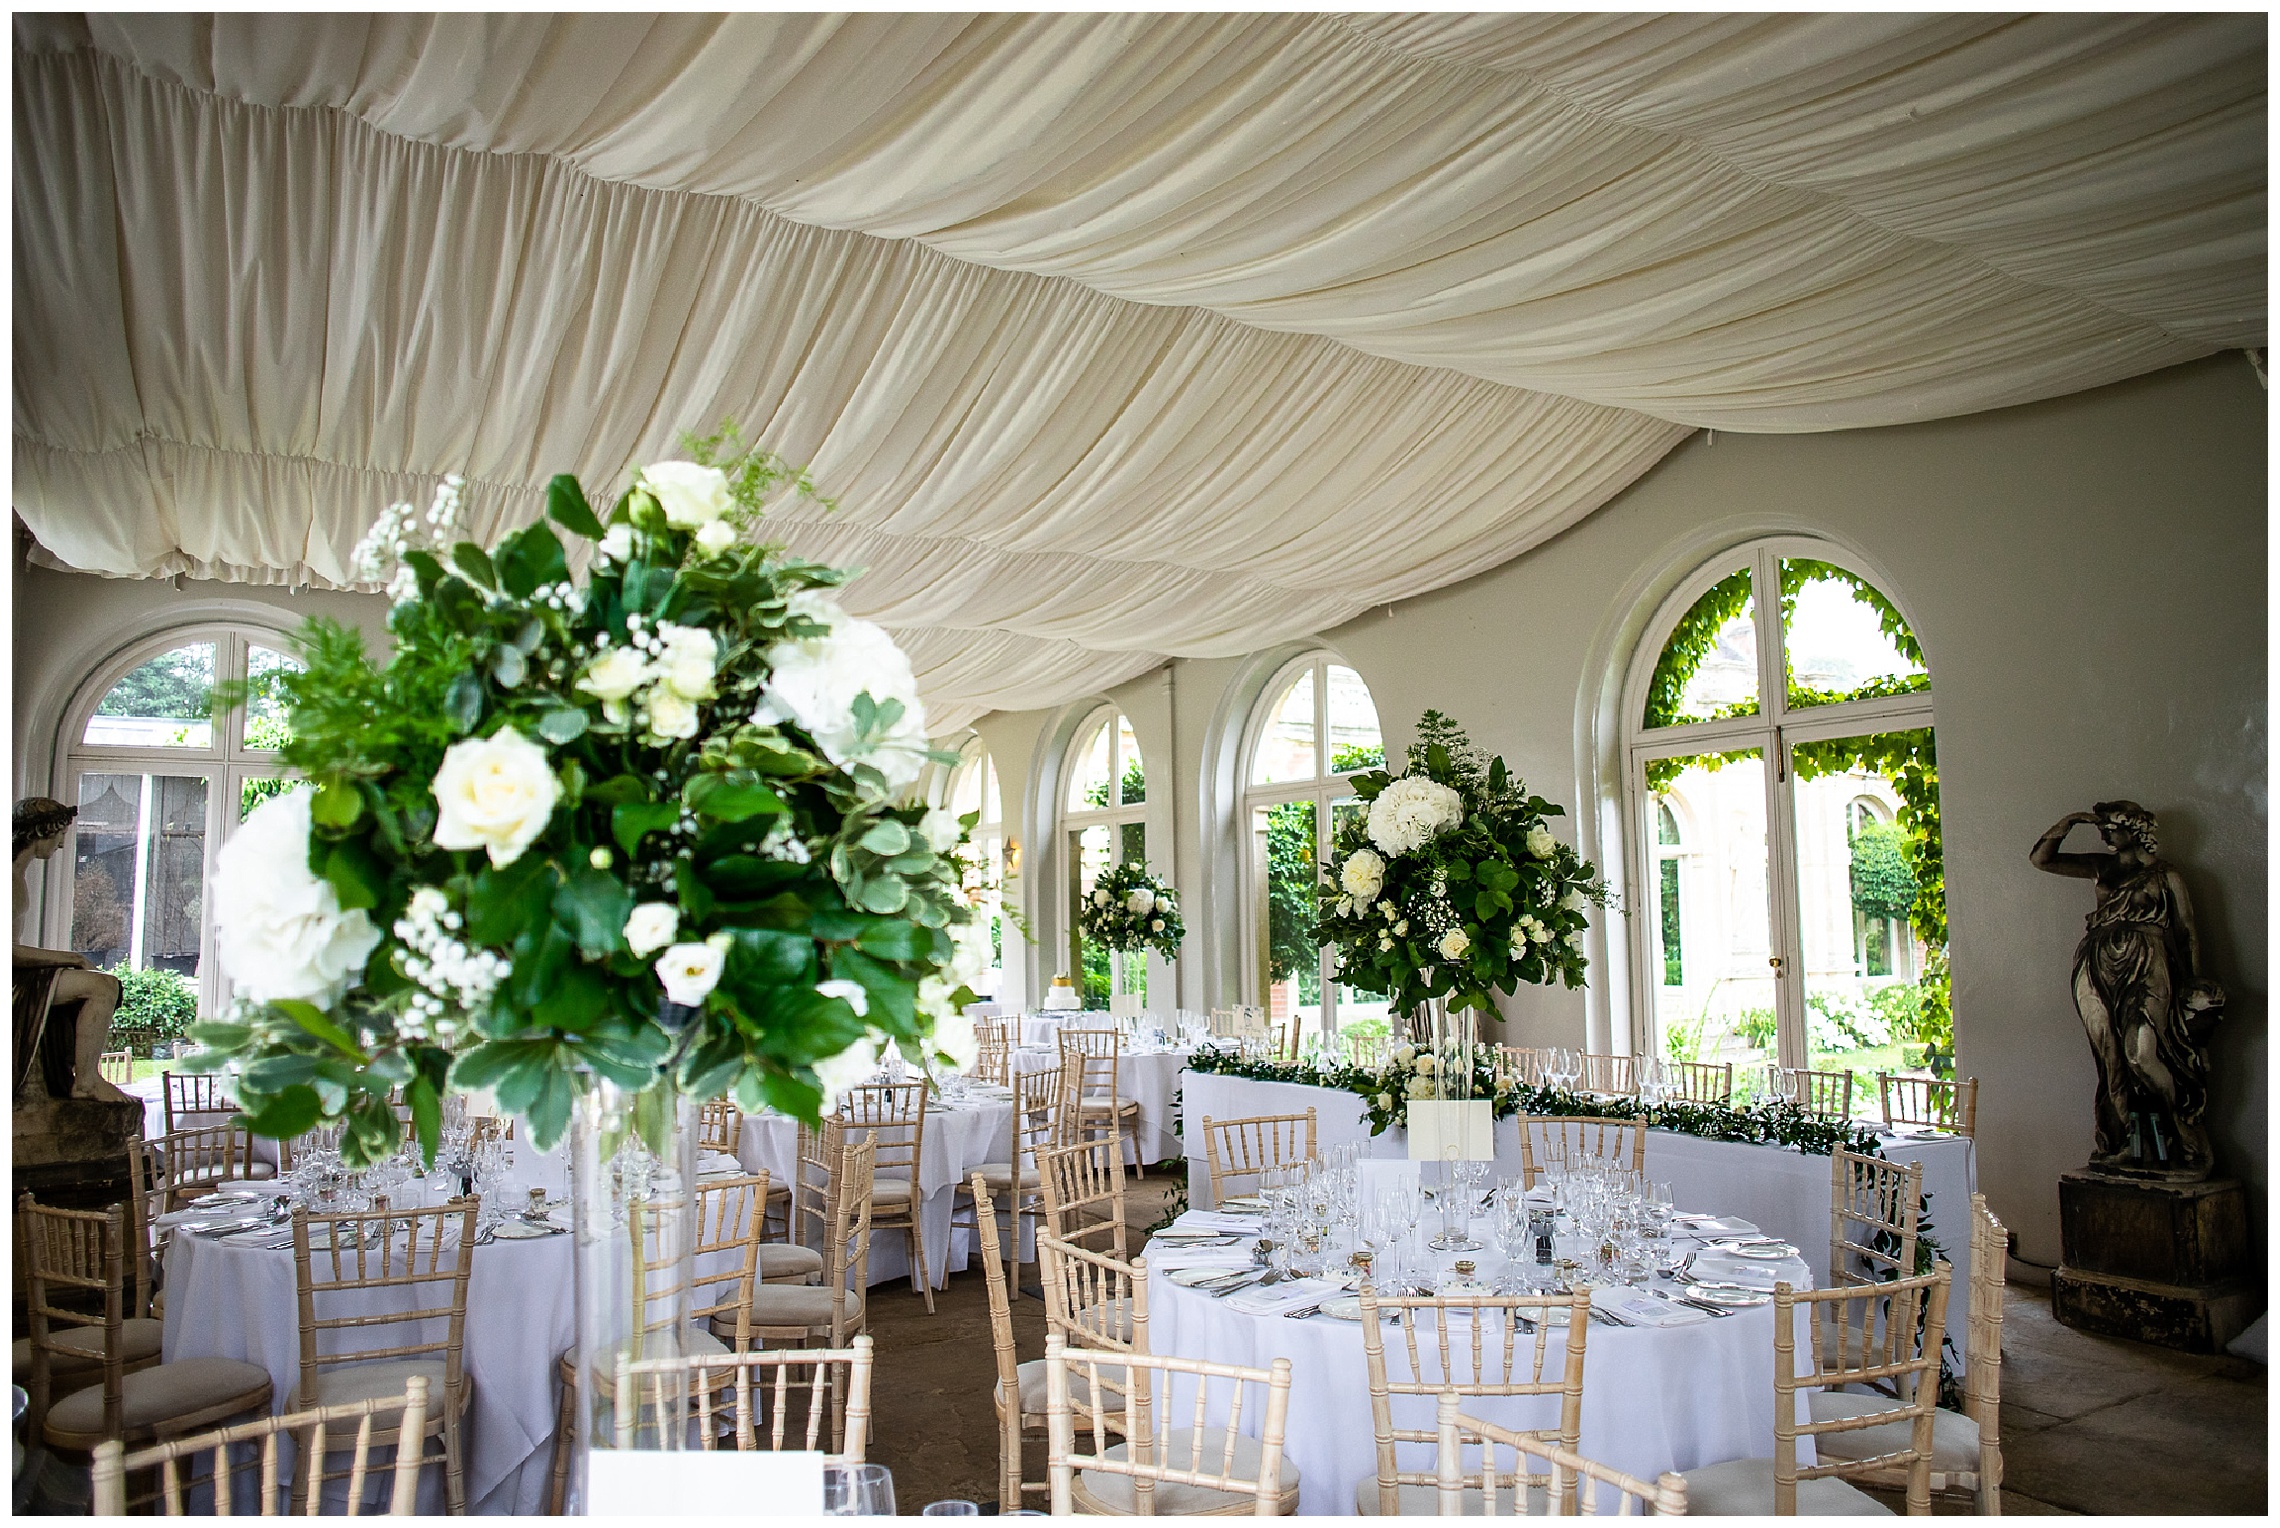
[[958, 1140], [1674, 1398], [1151, 1078], [1785, 1192]]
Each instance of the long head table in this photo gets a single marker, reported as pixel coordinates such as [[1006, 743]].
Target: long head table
[[1785, 1192]]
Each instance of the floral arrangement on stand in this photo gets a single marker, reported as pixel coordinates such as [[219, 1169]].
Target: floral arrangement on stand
[[1451, 885], [1132, 910], [648, 825]]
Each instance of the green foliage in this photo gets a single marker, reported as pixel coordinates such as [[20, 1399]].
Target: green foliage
[[1691, 641], [1755, 1028], [1108, 919], [1883, 885], [1797, 572], [154, 1005], [1135, 787], [1482, 906], [173, 684], [1348, 757], [1291, 883]]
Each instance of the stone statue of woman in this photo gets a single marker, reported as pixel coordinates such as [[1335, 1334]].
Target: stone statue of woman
[[2143, 1000]]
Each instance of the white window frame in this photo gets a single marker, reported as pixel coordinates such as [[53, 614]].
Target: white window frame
[[988, 837], [1069, 822], [1325, 788], [225, 762], [1775, 729]]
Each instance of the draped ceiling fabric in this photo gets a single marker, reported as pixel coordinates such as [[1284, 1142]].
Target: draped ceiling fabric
[[1115, 336]]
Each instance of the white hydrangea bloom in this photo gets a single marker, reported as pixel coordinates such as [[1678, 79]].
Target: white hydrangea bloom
[[814, 682], [1411, 812]]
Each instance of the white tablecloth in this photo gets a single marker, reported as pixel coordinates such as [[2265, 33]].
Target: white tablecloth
[[1654, 1399], [1785, 1192], [958, 1139], [1151, 1078], [238, 1302]]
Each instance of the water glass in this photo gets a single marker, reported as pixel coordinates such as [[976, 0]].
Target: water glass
[[858, 1490], [950, 1509]]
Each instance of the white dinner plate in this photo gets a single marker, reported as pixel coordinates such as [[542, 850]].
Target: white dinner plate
[[1349, 1308], [1718, 1294], [1763, 1252], [519, 1230]]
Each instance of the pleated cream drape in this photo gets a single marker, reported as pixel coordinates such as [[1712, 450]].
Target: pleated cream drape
[[1116, 336]]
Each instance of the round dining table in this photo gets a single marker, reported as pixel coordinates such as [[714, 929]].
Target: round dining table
[[1678, 1390]]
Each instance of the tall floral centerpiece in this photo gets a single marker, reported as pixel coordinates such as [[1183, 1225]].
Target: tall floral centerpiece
[[603, 846], [1130, 911], [1449, 888]]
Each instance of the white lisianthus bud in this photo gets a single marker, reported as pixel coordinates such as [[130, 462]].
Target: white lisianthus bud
[[1385, 941], [690, 495], [1401, 929], [939, 827], [715, 537], [494, 794], [1155, 925], [617, 542], [670, 715], [1519, 941], [651, 927], [1454, 944], [600, 858], [690, 972], [1363, 876], [1541, 843], [850, 993]]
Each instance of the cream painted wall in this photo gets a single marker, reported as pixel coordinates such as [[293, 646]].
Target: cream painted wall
[[2087, 577]]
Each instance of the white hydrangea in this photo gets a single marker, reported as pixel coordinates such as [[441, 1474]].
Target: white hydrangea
[[814, 682], [1412, 812], [939, 827], [279, 928], [1363, 876], [1141, 902]]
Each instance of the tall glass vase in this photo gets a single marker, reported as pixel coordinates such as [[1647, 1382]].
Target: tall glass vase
[[1129, 971], [632, 1184], [1455, 1047]]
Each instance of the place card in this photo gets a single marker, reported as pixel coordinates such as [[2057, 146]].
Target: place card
[[631, 1482]]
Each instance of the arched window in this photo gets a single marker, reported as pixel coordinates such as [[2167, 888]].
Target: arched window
[[1103, 824], [160, 783], [1781, 714], [974, 788], [1316, 726]]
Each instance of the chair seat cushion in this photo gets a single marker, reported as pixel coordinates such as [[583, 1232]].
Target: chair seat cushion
[[1425, 1501], [890, 1191], [795, 1305], [780, 1260], [1113, 1493], [375, 1381], [1031, 1376], [1955, 1437], [81, 1348], [1744, 1488], [1103, 1106], [1000, 1175], [202, 1388]]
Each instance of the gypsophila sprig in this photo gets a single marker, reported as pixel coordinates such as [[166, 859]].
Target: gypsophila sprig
[[1131, 909], [649, 824], [1450, 883]]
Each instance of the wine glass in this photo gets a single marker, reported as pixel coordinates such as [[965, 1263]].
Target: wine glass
[[858, 1490]]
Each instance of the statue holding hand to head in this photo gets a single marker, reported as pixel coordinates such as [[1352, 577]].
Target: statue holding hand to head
[[2144, 1001]]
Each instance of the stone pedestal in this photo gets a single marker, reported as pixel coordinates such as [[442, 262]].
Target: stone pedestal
[[2166, 1263]]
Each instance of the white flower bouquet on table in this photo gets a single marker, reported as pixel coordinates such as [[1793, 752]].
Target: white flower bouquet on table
[[1131, 910], [1451, 885], [648, 827]]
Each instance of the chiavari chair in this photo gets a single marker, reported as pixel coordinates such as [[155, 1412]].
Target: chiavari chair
[[1464, 1345], [195, 1098], [1034, 1128], [1091, 1063], [314, 1434], [1549, 1138], [1164, 1471], [1701, 1082], [835, 1310], [198, 1159], [416, 1256], [1524, 1064], [1245, 1148], [894, 1114], [1083, 1190], [1566, 1475], [1941, 1103], [1824, 1095], [1019, 1394], [759, 1389], [720, 1126], [1609, 1076], [1874, 1207], [994, 1047], [77, 1258], [116, 1067], [1884, 1334]]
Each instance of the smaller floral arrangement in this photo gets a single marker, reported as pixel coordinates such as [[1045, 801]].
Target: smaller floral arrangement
[[1131, 909], [1451, 884]]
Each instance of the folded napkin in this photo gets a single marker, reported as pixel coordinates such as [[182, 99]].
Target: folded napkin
[[1714, 1225], [1173, 1259], [719, 1164], [1217, 1220], [1638, 1306], [1274, 1299], [1752, 1273]]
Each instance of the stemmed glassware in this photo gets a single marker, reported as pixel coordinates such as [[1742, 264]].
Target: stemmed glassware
[[1563, 1068]]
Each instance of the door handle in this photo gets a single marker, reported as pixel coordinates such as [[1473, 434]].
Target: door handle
[[1775, 962]]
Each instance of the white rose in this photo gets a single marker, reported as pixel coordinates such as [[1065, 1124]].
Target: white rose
[[1141, 902], [1363, 876], [690, 972], [1519, 940], [1541, 843], [690, 495], [1385, 941], [1420, 1087], [613, 677], [1538, 932], [716, 537], [1401, 929], [1386, 909], [839, 1073], [670, 715], [953, 1034], [1385, 1100], [279, 928], [970, 952], [686, 660], [651, 927], [939, 827], [1454, 944], [1156, 925], [1573, 901], [617, 542], [1404, 1053], [1428, 1064], [1100, 899], [814, 682], [850, 993], [1411, 812], [494, 794]]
